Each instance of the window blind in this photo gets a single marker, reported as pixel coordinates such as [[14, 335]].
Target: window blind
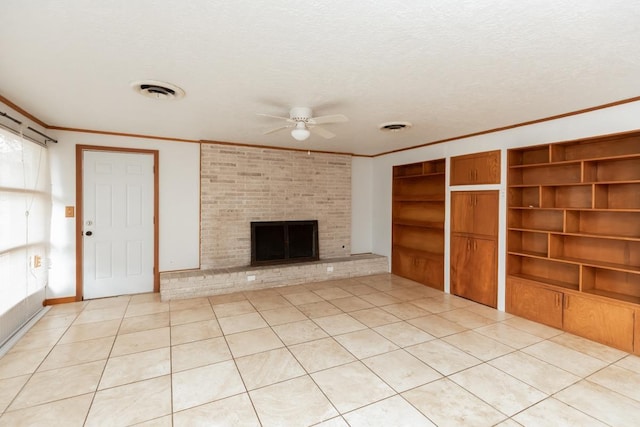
[[25, 216]]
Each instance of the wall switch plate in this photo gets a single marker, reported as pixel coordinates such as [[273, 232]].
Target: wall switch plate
[[37, 261], [251, 278], [330, 269], [69, 211]]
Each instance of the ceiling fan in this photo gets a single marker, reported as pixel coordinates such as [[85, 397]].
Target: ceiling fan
[[302, 123]]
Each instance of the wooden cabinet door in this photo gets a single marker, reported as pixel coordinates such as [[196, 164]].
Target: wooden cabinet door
[[610, 324], [462, 170], [431, 272], [485, 213], [477, 168], [475, 212], [535, 303], [426, 270], [474, 269], [460, 258], [402, 264], [487, 168], [462, 215]]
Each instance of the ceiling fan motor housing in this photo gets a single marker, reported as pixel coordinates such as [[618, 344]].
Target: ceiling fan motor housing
[[300, 114]]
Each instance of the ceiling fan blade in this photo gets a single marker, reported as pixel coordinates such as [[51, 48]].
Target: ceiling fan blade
[[275, 117], [322, 132], [334, 118], [279, 128]]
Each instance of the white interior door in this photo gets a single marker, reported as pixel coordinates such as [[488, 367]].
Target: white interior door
[[118, 230]]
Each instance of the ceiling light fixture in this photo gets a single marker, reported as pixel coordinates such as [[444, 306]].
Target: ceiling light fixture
[[300, 132]]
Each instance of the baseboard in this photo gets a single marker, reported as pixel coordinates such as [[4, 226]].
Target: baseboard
[[54, 301]]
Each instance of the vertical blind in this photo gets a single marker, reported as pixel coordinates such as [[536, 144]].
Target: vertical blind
[[25, 216]]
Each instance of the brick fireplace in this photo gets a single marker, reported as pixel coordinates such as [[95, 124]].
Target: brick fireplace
[[244, 184], [240, 185]]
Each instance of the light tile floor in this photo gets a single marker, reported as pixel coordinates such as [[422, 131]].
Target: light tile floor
[[369, 351]]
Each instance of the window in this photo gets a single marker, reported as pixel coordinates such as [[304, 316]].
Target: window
[[25, 209]]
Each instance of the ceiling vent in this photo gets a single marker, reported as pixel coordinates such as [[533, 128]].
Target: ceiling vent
[[158, 90], [394, 126]]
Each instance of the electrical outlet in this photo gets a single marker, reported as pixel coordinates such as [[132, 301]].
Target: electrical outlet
[[251, 278], [330, 269]]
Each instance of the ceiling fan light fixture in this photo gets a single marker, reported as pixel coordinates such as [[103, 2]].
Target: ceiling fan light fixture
[[302, 123], [300, 132]]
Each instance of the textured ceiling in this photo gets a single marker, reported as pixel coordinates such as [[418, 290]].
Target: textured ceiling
[[449, 67]]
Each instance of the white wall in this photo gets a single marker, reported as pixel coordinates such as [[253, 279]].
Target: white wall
[[616, 119], [179, 210], [361, 204]]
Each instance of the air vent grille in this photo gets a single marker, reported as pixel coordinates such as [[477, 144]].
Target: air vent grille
[[394, 126], [158, 90]]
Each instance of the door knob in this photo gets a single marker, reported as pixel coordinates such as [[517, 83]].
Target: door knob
[[88, 233]]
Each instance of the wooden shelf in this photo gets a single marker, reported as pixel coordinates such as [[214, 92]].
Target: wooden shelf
[[417, 217], [419, 253], [422, 224], [545, 164], [531, 254], [547, 281], [536, 219], [425, 198], [574, 234], [608, 265], [419, 175], [597, 236], [613, 295]]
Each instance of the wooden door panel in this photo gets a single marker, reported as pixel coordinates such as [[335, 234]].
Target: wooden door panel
[[475, 212], [485, 213], [477, 168], [460, 271], [461, 212], [535, 303], [484, 287], [610, 324], [402, 263], [426, 270], [473, 269], [487, 168], [431, 272], [462, 170]]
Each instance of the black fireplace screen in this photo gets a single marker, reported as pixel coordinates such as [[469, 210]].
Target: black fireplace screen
[[279, 242]]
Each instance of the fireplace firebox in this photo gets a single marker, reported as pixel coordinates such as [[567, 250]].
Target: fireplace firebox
[[281, 242]]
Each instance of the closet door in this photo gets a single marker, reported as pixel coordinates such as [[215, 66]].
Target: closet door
[[474, 246]]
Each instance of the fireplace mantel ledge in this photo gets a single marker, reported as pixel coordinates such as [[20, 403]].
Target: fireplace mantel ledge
[[208, 282]]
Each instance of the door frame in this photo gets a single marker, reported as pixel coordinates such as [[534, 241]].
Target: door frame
[[80, 149]]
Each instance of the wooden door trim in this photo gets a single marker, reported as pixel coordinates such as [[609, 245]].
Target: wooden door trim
[[80, 149]]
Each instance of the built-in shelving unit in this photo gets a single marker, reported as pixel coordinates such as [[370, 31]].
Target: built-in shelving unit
[[574, 228], [418, 222]]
